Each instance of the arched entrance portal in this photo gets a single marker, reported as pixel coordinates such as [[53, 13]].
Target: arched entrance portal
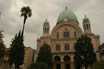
[[57, 63], [67, 62]]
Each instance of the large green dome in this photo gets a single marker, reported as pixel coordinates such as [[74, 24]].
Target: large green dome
[[67, 14]]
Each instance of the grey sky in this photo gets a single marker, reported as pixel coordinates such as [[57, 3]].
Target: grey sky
[[11, 22]]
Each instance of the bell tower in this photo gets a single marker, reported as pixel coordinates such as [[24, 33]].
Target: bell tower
[[86, 25], [46, 28]]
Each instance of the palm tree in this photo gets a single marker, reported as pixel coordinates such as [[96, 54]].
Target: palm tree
[[25, 12]]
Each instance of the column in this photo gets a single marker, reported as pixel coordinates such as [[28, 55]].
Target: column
[[62, 63], [72, 66], [54, 66]]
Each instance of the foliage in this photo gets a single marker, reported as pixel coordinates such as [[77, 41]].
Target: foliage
[[102, 49], [38, 65], [25, 12], [17, 51], [84, 52], [2, 47], [45, 55], [98, 65]]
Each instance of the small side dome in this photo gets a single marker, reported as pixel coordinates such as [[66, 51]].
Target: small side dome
[[46, 22], [67, 14], [86, 20]]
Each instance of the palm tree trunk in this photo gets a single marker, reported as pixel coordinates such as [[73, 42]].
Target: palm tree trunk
[[25, 17], [23, 28]]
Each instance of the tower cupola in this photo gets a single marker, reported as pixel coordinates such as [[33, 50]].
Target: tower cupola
[[86, 25], [46, 28]]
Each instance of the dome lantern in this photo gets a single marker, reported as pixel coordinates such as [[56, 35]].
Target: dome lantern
[[85, 20], [46, 21], [86, 25], [46, 28]]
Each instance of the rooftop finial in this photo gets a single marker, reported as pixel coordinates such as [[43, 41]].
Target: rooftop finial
[[66, 8], [46, 19], [85, 16]]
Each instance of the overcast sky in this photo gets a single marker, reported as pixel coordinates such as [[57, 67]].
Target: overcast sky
[[11, 22]]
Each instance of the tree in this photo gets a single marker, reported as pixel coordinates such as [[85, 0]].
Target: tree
[[38, 65], [84, 52], [25, 12], [45, 55], [98, 65], [102, 49], [2, 46], [16, 56]]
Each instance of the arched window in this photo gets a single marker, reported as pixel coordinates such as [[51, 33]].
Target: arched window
[[58, 65], [66, 47], [57, 59], [45, 29], [87, 26], [57, 47], [67, 62], [67, 58], [84, 26], [75, 34], [66, 34], [57, 34]]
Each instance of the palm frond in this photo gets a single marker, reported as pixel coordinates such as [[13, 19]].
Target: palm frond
[[26, 11]]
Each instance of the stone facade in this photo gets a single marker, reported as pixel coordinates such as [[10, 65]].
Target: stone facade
[[28, 58], [63, 37]]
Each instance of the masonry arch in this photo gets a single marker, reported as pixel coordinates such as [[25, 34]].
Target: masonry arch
[[67, 61], [57, 62]]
